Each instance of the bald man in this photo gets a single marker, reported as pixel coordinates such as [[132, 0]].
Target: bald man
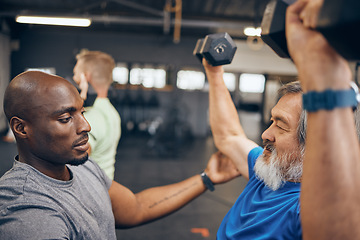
[[54, 192]]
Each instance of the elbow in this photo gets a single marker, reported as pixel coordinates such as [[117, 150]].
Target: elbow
[[128, 223], [125, 226], [221, 142]]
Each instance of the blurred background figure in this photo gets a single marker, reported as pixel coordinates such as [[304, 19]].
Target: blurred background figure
[[96, 68]]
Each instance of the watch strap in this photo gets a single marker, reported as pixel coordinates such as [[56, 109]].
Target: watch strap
[[329, 99], [207, 181]]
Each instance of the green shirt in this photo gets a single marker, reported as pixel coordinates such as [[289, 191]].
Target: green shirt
[[105, 134]]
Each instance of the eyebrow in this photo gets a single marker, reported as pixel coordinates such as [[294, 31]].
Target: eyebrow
[[64, 110], [281, 119]]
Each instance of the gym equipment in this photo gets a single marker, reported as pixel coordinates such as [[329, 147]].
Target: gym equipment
[[339, 22], [273, 27], [217, 49]]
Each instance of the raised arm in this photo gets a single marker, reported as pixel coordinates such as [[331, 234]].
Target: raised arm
[[227, 131], [135, 209], [330, 193]]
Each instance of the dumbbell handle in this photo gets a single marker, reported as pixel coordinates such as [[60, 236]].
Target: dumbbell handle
[[197, 49]]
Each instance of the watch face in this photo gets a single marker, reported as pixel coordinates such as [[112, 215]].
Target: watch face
[[356, 89]]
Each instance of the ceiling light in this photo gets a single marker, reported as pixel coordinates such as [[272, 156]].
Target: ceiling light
[[251, 31], [61, 21]]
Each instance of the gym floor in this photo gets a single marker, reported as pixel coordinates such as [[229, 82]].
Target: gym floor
[[139, 166]]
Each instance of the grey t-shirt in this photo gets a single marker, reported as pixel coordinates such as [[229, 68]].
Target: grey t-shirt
[[35, 206]]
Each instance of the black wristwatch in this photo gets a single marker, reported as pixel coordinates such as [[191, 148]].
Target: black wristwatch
[[207, 181], [330, 99]]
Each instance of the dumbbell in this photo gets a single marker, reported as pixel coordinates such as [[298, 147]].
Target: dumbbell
[[217, 49], [273, 26], [338, 21]]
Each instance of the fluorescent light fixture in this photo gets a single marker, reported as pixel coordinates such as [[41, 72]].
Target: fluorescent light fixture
[[251, 31], [190, 80], [148, 77], [61, 21], [121, 74], [253, 83], [154, 78], [230, 81]]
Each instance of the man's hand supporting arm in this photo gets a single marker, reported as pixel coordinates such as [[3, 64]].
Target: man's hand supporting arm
[[135, 209]]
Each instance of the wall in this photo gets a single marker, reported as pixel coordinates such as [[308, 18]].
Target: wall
[[57, 47], [263, 60], [4, 75]]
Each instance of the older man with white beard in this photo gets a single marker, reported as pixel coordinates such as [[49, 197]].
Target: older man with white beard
[[269, 207], [276, 168]]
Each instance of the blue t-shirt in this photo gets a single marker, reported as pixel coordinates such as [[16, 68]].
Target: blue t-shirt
[[261, 213]]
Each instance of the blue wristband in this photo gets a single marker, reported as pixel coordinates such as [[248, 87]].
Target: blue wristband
[[330, 99], [207, 181]]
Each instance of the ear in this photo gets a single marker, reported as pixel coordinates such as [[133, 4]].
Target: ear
[[84, 86], [84, 77], [19, 127], [89, 77]]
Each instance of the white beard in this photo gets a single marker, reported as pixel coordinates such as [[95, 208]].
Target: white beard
[[279, 169]]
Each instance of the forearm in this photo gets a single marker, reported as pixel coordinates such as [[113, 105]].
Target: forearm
[[330, 186], [228, 134], [224, 119], [135, 209], [157, 202], [331, 182]]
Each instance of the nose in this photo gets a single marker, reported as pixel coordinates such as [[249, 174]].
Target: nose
[[83, 125], [268, 134]]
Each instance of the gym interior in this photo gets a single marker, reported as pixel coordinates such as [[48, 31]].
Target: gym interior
[[160, 89]]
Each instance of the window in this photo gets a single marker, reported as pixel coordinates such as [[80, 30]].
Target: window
[[230, 81], [154, 78], [190, 80], [148, 77], [121, 73], [253, 83]]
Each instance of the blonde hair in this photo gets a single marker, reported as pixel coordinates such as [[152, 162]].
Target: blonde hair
[[99, 64]]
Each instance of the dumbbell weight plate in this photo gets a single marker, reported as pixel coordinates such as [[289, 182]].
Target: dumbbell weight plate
[[273, 26], [218, 49], [339, 22]]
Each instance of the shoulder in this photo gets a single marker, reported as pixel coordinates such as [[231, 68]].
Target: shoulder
[[100, 104], [98, 112], [13, 223], [13, 183], [254, 155], [255, 152]]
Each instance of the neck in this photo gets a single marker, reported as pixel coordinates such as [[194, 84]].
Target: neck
[[101, 92], [56, 171]]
